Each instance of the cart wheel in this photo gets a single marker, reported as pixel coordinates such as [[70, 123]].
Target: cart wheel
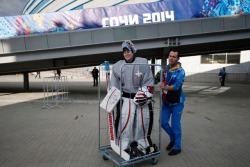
[[105, 158], [154, 161]]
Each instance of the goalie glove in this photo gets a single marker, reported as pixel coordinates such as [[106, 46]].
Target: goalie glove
[[143, 96], [140, 98]]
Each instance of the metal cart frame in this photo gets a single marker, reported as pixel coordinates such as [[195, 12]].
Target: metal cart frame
[[107, 151]]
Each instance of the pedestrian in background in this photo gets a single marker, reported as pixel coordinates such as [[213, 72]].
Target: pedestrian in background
[[173, 101], [95, 74], [59, 73], [38, 74], [222, 76]]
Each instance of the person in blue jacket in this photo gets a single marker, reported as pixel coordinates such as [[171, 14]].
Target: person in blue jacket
[[173, 101], [222, 76]]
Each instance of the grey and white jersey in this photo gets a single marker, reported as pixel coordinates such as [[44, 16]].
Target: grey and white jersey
[[131, 76]]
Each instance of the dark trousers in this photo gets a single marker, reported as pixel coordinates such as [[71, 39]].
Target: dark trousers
[[95, 81], [222, 81]]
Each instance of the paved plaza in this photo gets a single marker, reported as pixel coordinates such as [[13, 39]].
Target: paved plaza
[[215, 121]]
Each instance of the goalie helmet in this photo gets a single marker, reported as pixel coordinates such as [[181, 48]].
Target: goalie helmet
[[128, 45], [143, 96]]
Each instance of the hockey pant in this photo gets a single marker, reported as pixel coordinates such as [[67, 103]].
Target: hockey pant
[[133, 123]]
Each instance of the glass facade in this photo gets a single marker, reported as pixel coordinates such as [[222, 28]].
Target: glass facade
[[221, 58]]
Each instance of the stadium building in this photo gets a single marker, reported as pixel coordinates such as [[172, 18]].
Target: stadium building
[[199, 68]]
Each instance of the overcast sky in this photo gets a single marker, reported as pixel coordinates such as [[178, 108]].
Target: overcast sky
[[12, 7]]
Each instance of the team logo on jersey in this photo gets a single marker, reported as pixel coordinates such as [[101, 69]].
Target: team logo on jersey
[[138, 74]]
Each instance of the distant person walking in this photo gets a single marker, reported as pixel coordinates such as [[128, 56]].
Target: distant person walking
[[95, 73], [59, 73], [38, 74], [222, 76]]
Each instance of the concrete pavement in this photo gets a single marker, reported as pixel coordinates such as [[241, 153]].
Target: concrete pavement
[[215, 121]]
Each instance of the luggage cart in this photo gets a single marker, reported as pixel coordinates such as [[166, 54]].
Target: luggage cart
[[106, 119]]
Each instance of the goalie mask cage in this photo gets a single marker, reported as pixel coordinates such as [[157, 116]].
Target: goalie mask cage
[[109, 144]]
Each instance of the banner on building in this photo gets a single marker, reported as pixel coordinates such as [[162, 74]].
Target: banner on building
[[143, 13]]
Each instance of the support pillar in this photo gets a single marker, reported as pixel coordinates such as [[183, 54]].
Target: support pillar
[[164, 57], [26, 81], [153, 67]]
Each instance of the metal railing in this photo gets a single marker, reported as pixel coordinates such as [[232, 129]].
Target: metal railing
[[55, 91]]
